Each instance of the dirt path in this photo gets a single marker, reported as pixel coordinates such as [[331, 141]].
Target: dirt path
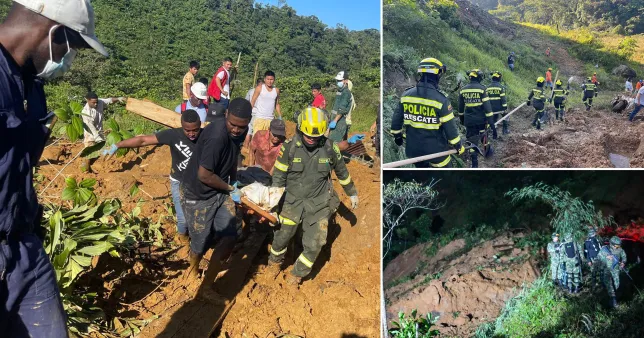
[[464, 288], [341, 300]]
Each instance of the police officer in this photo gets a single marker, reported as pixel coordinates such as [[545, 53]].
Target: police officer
[[590, 91], [427, 115], [591, 251], [611, 259], [558, 97], [571, 260], [303, 167], [538, 101], [555, 259], [474, 104], [496, 93]]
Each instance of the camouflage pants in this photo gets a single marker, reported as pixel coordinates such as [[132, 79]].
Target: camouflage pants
[[573, 279], [610, 281], [555, 271], [313, 239], [595, 273]]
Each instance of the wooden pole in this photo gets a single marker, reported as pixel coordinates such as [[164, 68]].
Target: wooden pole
[[510, 113], [250, 205], [417, 159]]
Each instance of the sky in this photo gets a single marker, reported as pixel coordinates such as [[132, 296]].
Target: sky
[[354, 14]]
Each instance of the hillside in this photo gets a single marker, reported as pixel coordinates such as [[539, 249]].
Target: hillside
[[464, 37], [151, 42]]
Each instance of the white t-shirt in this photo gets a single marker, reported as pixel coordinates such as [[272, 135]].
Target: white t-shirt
[[641, 92], [93, 121], [226, 85], [265, 103], [628, 86]]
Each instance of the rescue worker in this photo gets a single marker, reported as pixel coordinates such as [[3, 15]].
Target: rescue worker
[[496, 92], [549, 78], [474, 105], [537, 99], [554, 249], [511, 61], [590, 91], [591, 251], [558, 98], [339, 127], [594, 79], [571, 260], [303, 168], [427, 115], [610, 261]]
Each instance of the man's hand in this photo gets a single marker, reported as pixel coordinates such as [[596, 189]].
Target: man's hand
[[398, 138], [110, 151], [122, 99], [225, 93], [332, 125], [621, 265], [235, 193], [459, 148], [355, 138], [354, 202]]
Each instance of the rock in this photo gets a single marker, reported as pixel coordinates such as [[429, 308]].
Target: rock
[[625, 72]]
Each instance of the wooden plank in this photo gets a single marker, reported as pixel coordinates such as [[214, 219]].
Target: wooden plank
[[154, 112]]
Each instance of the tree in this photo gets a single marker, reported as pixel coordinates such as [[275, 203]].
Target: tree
[[399, 198]]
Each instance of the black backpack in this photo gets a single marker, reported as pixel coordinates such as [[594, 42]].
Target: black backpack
[[569, 249]]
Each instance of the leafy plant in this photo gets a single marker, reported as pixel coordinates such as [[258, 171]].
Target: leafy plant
[[71, 115], [80, 193], [117, 135], [414, 327]]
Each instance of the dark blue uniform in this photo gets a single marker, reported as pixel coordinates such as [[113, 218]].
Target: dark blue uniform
[[29, 298]]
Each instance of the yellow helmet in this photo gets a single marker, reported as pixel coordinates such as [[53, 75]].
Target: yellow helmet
[[540, 79], [549, 68], [558, 83], [313, 122]]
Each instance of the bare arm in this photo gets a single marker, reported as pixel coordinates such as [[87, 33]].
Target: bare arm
[[212, 180], [188, 89], [139, 141], [258, 89], [277, 104]]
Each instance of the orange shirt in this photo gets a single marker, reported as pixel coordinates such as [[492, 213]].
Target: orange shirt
[[638, 86], [549, 76]]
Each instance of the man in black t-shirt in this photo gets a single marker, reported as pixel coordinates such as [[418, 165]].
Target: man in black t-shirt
[[209, 185], [182, 142]]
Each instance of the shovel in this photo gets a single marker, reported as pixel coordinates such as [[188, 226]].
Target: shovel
[[413, 160]]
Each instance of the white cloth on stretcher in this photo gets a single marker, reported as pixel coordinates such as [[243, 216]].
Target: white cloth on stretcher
[[265, 197]]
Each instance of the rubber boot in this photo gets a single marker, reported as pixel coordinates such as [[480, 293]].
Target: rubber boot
[[505, 128], [575, 289], [193, 269], [495, 135], [475, 160], [294, 280], [538, 124], [613, 302]]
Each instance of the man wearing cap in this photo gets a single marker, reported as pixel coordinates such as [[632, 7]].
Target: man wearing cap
[[341, 108], [265, 145], [198, 93], [38, 41]]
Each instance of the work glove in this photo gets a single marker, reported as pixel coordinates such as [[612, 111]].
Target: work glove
[[355, 138], [459, 148], [528, 103], [236, 194], [332, 125], [279, 117], [110, 151], [398, 138], [122, 99], [354, 202]]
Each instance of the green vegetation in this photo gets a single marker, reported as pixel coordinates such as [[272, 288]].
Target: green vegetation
[[414, 327], [624, 17], [76, 234], [152, 41]]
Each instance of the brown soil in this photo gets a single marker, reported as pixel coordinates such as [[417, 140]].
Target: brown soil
[[340, 299], [472, 286]]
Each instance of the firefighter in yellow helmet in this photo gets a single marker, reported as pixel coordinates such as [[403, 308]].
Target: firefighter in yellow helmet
[[496, 93], [427, 116], [303, 167], [474, 104], [558, 98], [538, 100]]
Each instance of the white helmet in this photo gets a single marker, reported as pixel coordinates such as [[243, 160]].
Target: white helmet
[[199, 90], [341, 76]]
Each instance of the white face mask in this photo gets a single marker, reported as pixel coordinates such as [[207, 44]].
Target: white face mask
[[55, 69], [340, 84]]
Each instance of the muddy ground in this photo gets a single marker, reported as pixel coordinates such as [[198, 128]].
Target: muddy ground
[[341, 299], [464, 288]]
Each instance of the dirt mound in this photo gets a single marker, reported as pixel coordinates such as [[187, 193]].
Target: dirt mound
[[148, 285], [464, 289], [585, 139], [477, 18]]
